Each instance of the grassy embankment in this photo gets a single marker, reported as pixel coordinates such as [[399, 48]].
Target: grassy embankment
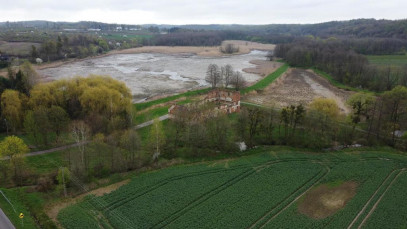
[[263, 83]]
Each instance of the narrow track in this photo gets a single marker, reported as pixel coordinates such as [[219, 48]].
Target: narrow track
[[381, 197], [370, 199]]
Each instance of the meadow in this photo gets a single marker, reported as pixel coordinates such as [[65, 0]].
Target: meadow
[[384, 60]]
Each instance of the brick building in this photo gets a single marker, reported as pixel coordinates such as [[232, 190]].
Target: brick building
[[217, 100]]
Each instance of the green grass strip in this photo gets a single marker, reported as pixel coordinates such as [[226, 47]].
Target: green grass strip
[[266, 80], [142, 106]]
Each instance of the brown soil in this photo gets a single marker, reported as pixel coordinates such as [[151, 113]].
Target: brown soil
[[263, 67], [324, 201], [298, 86], [54, 209]]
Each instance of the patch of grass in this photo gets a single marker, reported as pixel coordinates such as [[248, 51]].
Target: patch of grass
[[334, 184], [46, 163], [142, 106], [13, 195], [392, 60], [266, 80], [151, 114]]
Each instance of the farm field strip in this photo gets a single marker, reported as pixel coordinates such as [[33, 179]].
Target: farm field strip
[[258, 192], [381, 197], [298, 197], [211, 193], [390, 178], [281, 207], [368, 174], [391, 207], [146, 190], [182, 176], [205, 195]]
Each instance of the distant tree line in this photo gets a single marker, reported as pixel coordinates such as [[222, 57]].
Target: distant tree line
[[342, 62], [197, 38], [71, 47]]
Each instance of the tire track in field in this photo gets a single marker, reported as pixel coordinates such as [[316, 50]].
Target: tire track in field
[[378, 201], [268, 214], [146, 190], [370, 199], [161, 183], [212, 193], [125, 200]]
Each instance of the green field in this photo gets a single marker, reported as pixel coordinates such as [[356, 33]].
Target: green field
[[393, 60], [261, 190], [17, 48]]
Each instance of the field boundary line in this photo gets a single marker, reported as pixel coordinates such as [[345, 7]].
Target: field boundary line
[[378, 201], [370, 199]]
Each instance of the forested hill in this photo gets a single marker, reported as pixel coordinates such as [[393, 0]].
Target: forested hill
[[356, 28], [353, 28]]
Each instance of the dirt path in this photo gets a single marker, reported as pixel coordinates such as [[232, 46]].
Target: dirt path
[[148, 123], [53, 210]]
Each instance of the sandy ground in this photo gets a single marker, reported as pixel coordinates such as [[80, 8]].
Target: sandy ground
[[263, 67], [54, 209], [298, 86], [324, 201]]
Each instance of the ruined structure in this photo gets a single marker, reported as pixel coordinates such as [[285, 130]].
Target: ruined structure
[[216, 101]]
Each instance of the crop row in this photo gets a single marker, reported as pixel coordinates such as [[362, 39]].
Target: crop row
[[392, 209], [246, 201]]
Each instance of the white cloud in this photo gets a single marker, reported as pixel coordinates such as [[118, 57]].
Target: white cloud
[[201, 11]]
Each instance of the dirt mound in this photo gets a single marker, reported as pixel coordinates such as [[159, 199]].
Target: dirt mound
[[324, 200]]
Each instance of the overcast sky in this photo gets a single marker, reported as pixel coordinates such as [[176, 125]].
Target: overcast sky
[[201, 11]]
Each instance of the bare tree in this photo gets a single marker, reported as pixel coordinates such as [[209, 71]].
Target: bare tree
[[80, 133], [238, 81], [227, 74], [213, 75], [270, 55]]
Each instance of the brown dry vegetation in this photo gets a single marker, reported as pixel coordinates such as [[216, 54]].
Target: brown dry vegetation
[[244, 48], [298, 86], [263, 67], [324, 201]]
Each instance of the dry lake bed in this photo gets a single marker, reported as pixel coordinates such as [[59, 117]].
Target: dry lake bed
[[155, 74]]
